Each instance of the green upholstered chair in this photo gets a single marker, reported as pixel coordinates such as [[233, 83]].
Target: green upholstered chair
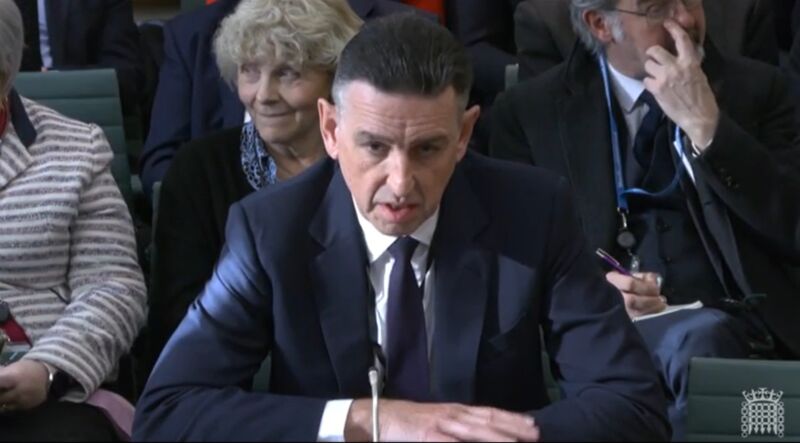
[[553, 391], [720, 411], [90, 96]]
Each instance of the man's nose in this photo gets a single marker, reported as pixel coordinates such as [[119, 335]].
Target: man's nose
[[401, 177]]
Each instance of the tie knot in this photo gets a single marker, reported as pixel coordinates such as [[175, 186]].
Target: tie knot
[[648, 99], [403, 248]]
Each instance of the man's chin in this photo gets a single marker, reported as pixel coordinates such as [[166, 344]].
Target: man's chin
[[395, 228]]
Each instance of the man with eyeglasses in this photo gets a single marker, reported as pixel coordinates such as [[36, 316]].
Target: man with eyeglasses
[[544, 37], [686, 169]]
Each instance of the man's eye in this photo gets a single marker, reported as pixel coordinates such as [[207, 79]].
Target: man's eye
[[429, 149], [657, 11]]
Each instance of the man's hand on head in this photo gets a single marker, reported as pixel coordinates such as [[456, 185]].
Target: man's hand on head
[[681, 87], [408, 421]]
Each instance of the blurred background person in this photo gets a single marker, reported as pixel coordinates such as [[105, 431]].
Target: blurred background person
[[191, 99], [280, 58], [71, 292], [545, 37], [84, 34]]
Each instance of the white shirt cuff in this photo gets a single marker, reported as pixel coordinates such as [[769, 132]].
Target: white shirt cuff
[[331, 427]]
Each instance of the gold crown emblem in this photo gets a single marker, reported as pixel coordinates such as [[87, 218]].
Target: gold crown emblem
[[762, 395]]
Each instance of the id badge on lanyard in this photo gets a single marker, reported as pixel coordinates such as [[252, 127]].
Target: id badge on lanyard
[[625, 238]]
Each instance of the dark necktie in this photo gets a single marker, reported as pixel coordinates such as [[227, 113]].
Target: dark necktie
[[643, 146], [31, 55], [406, 340]]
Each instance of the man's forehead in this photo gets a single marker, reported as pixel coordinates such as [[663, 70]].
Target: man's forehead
[[362, 93]]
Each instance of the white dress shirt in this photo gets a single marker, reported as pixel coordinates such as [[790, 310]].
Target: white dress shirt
[[380, 269], [44, 36], [627, 91]]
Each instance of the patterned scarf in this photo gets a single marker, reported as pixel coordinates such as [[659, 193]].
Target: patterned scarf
[[258, 166]]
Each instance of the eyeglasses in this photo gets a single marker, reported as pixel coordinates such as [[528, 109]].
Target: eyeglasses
[[657, 12]]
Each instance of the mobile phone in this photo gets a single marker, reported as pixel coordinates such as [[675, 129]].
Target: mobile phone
[[611, 261], [12, 353]]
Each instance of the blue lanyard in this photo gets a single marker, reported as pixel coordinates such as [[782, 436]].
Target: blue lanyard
[[619, 179]]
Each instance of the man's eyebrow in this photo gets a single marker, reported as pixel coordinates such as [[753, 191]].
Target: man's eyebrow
[[643, 3], [431, 140], [366, 137]]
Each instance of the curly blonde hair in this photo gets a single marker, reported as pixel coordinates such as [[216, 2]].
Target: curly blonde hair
[[301, 33]]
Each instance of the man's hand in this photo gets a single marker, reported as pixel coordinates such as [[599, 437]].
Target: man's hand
[[681, 87], [408, 421], [641, 292], [23, 385]]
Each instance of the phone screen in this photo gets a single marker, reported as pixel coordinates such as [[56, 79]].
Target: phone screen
[[12, 353]]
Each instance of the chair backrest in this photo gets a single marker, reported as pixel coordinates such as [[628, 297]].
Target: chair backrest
[[743, 400], [91, 96]]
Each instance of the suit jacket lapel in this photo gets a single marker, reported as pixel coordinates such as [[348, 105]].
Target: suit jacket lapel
[[715, 214], [57, 17], [341, 288], [586, 137], [460, 294]]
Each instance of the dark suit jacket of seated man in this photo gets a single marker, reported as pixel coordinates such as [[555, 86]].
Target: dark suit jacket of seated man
[[507, 258], [192, 100]]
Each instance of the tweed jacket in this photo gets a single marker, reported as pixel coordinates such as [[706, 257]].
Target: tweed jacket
[[68, 265]]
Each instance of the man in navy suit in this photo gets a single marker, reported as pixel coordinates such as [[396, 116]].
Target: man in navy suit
[[84, 34], [440, 267], [192, 99]]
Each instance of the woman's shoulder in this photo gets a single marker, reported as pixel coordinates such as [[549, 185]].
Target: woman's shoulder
[[207, 162], [63, 136], [216, 150]]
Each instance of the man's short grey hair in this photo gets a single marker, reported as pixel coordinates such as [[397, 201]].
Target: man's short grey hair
[[11, 44], [300, 33], [606, 7]]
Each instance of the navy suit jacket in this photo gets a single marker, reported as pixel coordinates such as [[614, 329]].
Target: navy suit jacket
[[192, 100], [291, 282], [97, 34]]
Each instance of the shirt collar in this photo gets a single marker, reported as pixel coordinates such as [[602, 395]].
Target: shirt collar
[[626, 89], [19, 119], [378, 242]]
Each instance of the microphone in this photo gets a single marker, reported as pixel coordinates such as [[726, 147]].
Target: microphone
[[374, 381]]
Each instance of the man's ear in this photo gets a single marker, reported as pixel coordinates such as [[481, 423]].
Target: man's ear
[[467, 125], [599, 26], [327, 126]]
